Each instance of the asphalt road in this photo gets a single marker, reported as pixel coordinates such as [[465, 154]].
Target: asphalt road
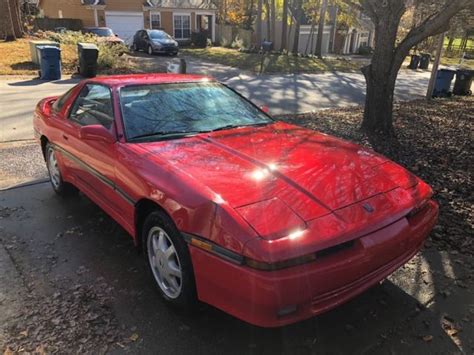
[[283, 94], [49, 243]]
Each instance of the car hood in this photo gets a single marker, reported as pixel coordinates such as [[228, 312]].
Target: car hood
[[164, 41], [110, 39], [309, 173]]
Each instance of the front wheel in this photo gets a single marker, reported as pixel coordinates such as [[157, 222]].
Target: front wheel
[[59, 186], [134, 47], [150, 50], [168, 260]]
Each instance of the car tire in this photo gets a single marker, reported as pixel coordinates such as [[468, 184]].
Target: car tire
[[168, 261], [134, 47], [61, 187], [150, 50]]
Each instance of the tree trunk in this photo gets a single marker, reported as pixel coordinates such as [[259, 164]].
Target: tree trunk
[[258, 24], [298, 15], [310, 39], [15, 15], [273, 21], [268, 37], [319, 40], [378, 100], [382, 72], [8, 28], [284, 26], [450, 43]]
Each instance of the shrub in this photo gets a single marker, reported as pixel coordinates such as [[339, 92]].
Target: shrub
[[199, 39], [365, 50], [109, 55]]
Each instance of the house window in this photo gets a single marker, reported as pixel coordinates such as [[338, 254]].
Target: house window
[[182, 26], [155, 20]]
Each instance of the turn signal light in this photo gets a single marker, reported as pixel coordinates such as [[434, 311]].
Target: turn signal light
[[279, 264]]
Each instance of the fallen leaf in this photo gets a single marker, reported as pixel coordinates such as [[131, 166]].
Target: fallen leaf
[[427, 338]]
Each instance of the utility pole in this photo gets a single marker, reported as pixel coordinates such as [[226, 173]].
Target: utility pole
[[434, 70]]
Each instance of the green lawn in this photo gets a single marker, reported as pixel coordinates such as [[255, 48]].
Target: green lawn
[[454, 61], [457, 42], [270, 63]]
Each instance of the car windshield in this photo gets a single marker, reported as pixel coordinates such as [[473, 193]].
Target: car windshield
[[101, 32], [151, 111], [159, 35]]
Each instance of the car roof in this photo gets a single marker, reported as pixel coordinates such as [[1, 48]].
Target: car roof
[[97, 28], [139, 79]]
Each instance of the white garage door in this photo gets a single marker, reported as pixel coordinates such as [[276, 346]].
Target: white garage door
[[124, 24]]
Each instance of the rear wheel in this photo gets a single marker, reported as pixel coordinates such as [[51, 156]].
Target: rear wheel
[[150, 50], [134, 47], [168, 260], [59, 186]]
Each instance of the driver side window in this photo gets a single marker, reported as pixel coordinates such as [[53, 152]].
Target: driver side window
[[93, 106]]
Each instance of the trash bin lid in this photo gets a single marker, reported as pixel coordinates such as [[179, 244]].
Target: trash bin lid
[[49, 48], [84, 45], [447, 70]]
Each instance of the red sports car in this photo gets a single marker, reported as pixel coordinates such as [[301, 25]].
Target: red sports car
[[270, 222]]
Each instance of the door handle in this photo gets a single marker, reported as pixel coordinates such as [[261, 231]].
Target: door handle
[[65, 137]]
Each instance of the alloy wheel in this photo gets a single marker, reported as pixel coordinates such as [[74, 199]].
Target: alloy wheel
[[53, 169], [164, 262]]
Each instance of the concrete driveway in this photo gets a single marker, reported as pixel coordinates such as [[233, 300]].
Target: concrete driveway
[[53, 248], [290, 93]]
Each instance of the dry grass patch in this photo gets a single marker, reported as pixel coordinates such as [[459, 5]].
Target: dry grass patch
[[15, 58]]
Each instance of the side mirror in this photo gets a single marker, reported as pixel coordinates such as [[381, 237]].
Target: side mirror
[[96, 133], [265, 109]]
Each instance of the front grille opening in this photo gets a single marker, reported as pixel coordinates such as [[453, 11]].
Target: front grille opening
[[335, 249]]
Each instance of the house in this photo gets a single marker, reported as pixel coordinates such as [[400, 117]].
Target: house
[[177, 17], [348, 40]]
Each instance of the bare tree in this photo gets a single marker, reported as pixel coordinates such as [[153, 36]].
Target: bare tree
[[284, 26], [268, 22], [272, 19], [319, 38], [298, 15], [388, 56], [11, 24], [258, 23]]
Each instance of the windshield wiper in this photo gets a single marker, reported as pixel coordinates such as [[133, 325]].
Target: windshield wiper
[[229, 126], [164, 135]]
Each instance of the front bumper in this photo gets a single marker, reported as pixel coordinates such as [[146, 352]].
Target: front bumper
[[169, 50], [277, 298]]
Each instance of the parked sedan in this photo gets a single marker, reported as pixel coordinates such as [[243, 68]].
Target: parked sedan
[[268, 221], [155, 41], [105, 34]]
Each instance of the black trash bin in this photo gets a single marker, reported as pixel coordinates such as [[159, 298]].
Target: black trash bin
[[425, 60], [443, 81], [88, 54], [462, 85], [50, 62], [415, 60]]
